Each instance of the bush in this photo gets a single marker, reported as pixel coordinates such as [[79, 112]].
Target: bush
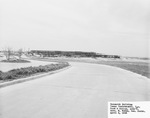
[[1, 75], [23, 72]]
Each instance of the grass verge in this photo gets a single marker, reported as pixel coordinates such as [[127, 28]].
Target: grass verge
[[141, 68], [16, 61]]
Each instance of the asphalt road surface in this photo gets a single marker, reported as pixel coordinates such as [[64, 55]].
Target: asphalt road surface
[[81, 91]]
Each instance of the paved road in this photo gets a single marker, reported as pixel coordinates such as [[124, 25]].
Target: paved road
[[79, 92]]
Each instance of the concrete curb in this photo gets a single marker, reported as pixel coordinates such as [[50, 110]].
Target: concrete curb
[[31, 77]]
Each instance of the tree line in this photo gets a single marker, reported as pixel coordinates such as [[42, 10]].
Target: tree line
[[44, 53]]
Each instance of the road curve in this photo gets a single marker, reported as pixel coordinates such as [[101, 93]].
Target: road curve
[[82, 91]]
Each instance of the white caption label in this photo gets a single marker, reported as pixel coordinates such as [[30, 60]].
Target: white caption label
[[128, 109]]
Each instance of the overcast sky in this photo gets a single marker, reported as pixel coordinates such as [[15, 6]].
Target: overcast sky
[[104, 26]]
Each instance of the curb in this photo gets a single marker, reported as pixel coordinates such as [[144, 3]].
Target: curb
[[31, 77]]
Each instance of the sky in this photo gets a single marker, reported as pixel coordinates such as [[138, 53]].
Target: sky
[[120, 27]]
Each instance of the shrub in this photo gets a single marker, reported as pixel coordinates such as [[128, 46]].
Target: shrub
[[22, 72], [1, 75]]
